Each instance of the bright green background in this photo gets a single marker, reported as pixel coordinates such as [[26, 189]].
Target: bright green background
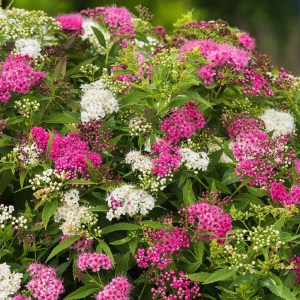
[[274, 23]]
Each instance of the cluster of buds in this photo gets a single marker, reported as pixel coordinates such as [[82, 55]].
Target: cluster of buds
[[89, 71], [139, 125], [26, 107], [154, 183]]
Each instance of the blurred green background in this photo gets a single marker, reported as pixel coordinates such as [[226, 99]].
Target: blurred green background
[[274, 23]]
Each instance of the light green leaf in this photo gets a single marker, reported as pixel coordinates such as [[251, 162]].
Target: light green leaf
[[220, 275], [119, 227], [83, 292], [48, 211]]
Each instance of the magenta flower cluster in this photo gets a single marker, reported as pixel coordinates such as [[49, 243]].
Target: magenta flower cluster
[[163, 243], [69, 153], [167, 158], [16, 75], [246, 41], [182, 287], [206, 217], [118, 289], [219, 55], [94, 261], [44, 283], [70, 22], [182, 123]]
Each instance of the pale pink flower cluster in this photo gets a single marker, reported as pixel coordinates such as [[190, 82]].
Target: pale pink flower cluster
[[43, 282], [94, 261], [16, 75], [118, 289], [70, 22], [206, 217]]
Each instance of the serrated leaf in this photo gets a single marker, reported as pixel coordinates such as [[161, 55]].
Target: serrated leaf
[[62, 246], [48, 211], [121, 241], [220, 275], [122, 264], [133, 245]]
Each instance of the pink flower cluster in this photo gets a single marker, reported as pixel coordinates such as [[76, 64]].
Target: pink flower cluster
[[20, 297], [118, 289], [43, 282], [70, 22], [181, 287], [163, 243], [206, 217], [168, 158], [182, 123], [246, 41], [118, 19], [295, 262], [263, 159], [240, 123], [95, 261], [279, 193], [255, 84], [69, 152], [16, 75], [219, 55], [260, 157], [81, 245]]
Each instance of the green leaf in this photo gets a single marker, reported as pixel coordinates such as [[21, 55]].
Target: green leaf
[[154, 224], [119, 227], [60, 69], [103, 246], [48, 211], [100, 37], [133, 245], [62, 246], [79, 181], [99, 208], [23, 176], [188, 193], [199, 250], [83, 292], [121, 241], [257, 192], [122, 264], [220, 275], [199, 276]]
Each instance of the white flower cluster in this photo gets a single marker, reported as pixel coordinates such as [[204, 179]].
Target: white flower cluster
[[49, 179], [139, 125], [279, 121], [152, 43], [196, 161], [73, 217], [6, 216], [30, 47], [88, 34], [128, 200], [10, 282], [138, 161], [97, 101], [28, 155]]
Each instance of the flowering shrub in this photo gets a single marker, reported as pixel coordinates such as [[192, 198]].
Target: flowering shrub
[[137, 163]]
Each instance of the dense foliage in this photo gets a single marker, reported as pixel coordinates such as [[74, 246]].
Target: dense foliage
[[142, 164]]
